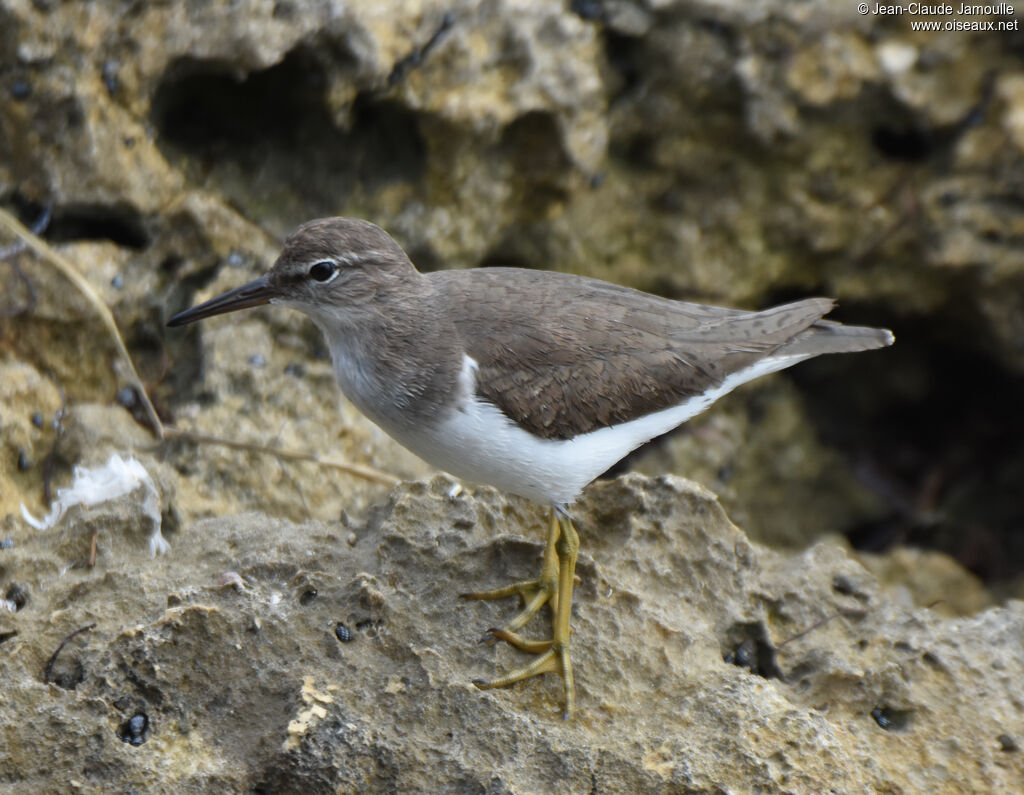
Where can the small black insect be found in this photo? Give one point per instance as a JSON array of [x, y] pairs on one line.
[[109, 75], [133, 730], [891, 719], [21, 89], [343, 633], [126, 397]]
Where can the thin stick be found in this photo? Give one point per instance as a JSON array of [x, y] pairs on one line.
[[71, 273], [48, 671], [848, 613], [358, 470]]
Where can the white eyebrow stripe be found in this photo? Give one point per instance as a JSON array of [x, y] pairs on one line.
[[358, 258]]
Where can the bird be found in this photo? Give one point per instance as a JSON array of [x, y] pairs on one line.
[[534, 382]]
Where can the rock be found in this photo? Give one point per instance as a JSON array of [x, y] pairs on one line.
[[924, 578], [92, 431], [221, 660], [740, 153], [29, 403]]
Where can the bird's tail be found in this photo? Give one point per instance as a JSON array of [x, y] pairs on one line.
[[828, 336]]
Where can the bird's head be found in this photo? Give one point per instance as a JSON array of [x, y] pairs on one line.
[[332, 269]]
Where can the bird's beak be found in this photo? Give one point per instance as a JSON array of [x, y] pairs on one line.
[[255, 293]]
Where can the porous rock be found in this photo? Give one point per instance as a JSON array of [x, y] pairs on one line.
[[704, 662], [733, 152]]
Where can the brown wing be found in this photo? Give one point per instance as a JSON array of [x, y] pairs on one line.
[[562, 355]]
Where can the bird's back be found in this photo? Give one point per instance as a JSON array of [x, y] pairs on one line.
[[562, 355]]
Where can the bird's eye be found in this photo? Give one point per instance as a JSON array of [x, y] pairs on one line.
[[322, 271]]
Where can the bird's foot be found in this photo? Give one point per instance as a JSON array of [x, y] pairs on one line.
[[553, 660], [554, 585], [533, 594]]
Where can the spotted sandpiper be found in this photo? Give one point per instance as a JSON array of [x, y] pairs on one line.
[[535, 382]]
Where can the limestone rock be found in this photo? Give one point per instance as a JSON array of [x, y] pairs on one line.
[[264, 654], [733, 152]]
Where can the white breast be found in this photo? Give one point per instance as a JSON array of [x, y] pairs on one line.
[[476, 442]]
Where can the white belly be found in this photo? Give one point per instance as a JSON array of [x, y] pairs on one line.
[[480, 444]]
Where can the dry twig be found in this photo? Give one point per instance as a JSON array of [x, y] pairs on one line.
[[48, 671], [358, 470], [70, 272]]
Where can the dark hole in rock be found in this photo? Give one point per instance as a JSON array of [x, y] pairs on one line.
[[17, 594], [932, 661], [718, 28], [120, 223], [933, 426], [184, 346], [502, 256], [284, 9], [307, 596], [534, 144], [523, 245], [625, 56], [908, 143], [205, 105], [150, 692], [370, 627], [271, 130], [171, 263], [847, 586], [67, 672], [902, 134], [638, 152], [425, 258], [890, 719], [748, 646], [1007, 743]]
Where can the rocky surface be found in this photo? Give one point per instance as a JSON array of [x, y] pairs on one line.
[[264, 655], [733, 152]]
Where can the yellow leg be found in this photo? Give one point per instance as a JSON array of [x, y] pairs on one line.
[[554, 654], [534, 594]]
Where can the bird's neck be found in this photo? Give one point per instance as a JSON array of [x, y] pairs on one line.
[[399, 358]]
